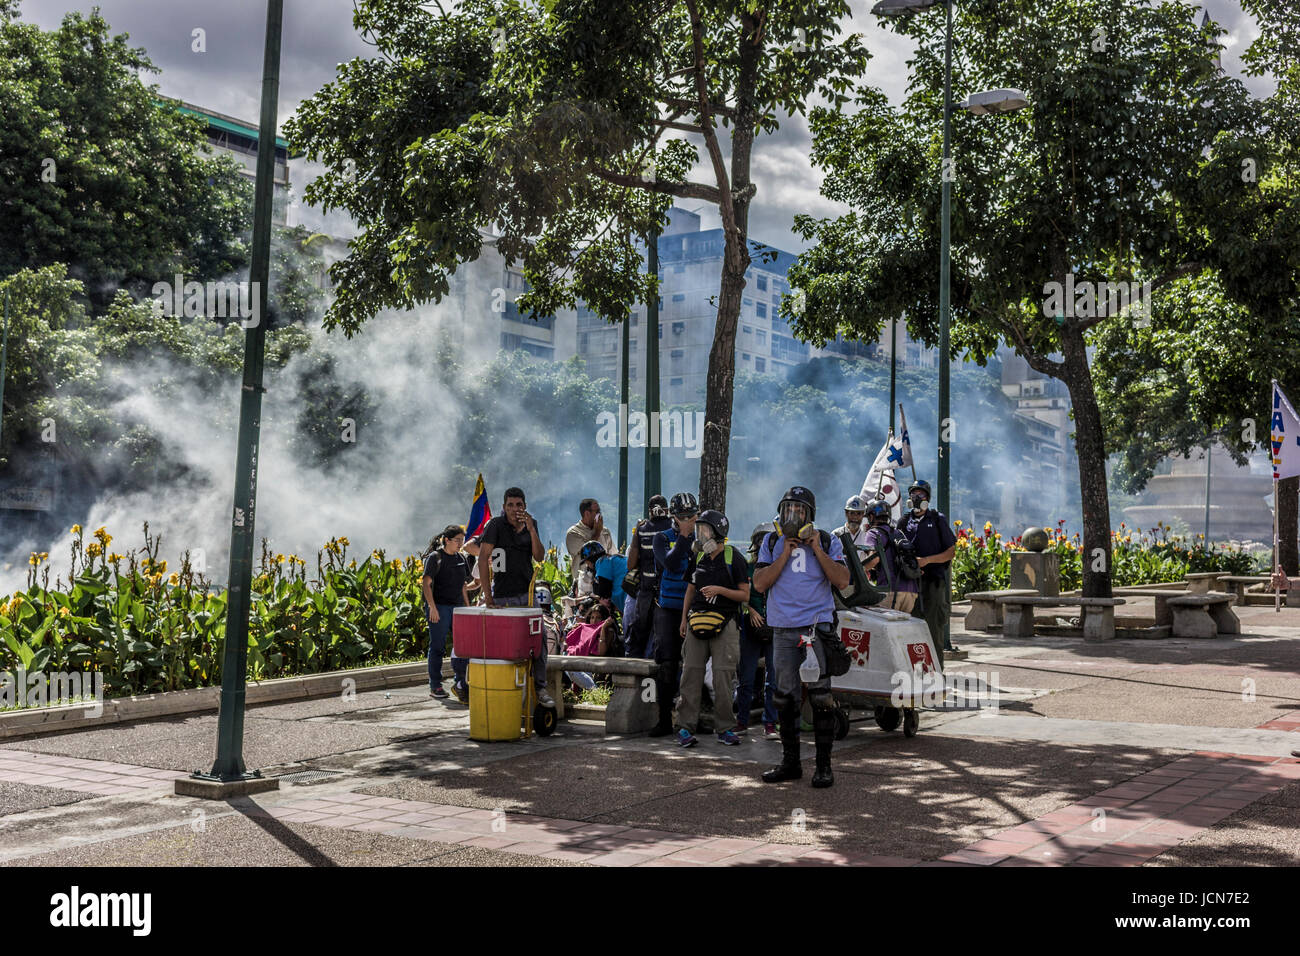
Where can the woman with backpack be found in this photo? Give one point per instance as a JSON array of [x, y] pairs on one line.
[[889, 565], [446, 574]]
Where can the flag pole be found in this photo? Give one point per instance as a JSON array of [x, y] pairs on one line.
[[903, 418]]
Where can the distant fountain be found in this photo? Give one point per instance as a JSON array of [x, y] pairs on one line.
[[1238, 510]]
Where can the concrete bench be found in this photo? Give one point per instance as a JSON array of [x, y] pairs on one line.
[[1203, 582], [627, 711], [1238, 584], [1163, 616], [1204, 615], [1098, 615], [984, 609]]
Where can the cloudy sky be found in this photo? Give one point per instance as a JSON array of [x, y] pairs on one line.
[[318, 35]]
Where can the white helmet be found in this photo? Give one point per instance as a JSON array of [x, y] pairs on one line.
[[856, 503]]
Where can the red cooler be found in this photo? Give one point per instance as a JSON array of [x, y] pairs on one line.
[[497, 633]]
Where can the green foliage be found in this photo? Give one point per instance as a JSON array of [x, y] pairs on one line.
[[94, 172]]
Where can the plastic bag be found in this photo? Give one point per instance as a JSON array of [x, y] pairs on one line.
[[809, 671]]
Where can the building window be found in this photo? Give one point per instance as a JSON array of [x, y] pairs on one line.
[[762, 283], [745, 356], [674, 381], [661, 331], [776, 299], [761, 336], [631, 347], [582, 342], [634, 320], [679, 328], [760, 365], [762, 310], [747, 330], [680, 297], [747, 301], [677, 353]]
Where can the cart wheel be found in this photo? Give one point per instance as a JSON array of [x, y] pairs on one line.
[[544, 720], [911, 722], [887, 718], [841, 722]]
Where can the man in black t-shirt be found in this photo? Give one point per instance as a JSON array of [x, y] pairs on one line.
[[508, 548], [935, 545], [717, 584]]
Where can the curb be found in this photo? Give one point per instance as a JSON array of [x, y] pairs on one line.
[[24, 723]]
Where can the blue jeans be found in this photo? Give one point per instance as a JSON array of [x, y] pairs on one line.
[[750, 651], [438, 635]]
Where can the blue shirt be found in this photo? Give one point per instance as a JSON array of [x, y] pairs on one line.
[[801, 596], [673, 558], [609, 579]]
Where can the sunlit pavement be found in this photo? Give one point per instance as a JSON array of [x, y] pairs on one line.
[[1056, 752]]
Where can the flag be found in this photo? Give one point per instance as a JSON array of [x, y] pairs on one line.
[[1284, 435], [906, 460], [880, 481], [480, 512]]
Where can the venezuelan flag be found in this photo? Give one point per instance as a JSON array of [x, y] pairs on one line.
[[480, 513]]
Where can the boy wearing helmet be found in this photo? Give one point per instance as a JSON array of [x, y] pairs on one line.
[[935, 544], [883, 561], [796, 570], [718, 583]]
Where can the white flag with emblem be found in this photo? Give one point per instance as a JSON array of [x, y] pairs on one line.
[[1284, 434], [880, 481]]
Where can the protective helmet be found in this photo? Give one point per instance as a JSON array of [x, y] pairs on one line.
[[923, 485], [759, 533], [658, 506], [683, 505], [878, 511], [715, 520], [856, 503], [803, 496], [542, 596], [591, 551]]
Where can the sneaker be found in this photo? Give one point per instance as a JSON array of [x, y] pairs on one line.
[[740, 729], [729, 738], [462, 693], [439, 692], [686, 738], [544, 698], [769, 732]]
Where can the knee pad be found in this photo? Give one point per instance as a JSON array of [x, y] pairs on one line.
[[821, 700]]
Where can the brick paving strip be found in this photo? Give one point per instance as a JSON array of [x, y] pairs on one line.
[[1139, 819], [1143, 817], [101, 777]]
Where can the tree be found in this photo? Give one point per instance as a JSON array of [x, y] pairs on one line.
[[96, 173], [546, 120], [1104, 179], [1204, 364]]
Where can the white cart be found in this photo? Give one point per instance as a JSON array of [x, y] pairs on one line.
[[894, 669]]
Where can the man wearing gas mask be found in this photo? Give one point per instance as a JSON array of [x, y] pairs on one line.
[[672, 552], [854, 510], [935, 544], [797, 567], [641, 559], [718, 584]]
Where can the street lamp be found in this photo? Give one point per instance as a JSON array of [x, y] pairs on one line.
[[990, 101]]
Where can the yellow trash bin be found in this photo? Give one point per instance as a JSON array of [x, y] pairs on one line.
[[501, 699]]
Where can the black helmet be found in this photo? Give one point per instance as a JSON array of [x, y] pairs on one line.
[[658, 506], [877, 511], [683, 505], [923, 485], [591, 551], [803, 496], [715, 520]]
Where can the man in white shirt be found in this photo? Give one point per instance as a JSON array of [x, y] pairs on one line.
[[590, 527], [854, 510]]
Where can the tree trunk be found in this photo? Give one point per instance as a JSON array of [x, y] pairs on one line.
[[722, 356], [1287, 506], [1090, 443]]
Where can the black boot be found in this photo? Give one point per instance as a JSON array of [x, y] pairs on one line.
[[824, 736], [789, 768]]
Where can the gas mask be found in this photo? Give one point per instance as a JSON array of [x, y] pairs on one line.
[[793, 520], [920, 503], [586, 580], [704, 542]]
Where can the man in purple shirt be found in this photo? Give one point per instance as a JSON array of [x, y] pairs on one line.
[[797, 567]]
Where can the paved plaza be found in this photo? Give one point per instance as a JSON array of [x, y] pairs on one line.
[[1130, 753]]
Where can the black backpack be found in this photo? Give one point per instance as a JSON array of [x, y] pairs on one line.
[[904, 559]]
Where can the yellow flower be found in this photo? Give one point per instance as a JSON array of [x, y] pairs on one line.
[[104, 537], [115, 557], [94, 549], [957, 523], [33, 560], [279, 559], [76, 529], [174, 579], [64, 612], [344, 541]]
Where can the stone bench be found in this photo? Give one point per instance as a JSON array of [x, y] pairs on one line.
[[1098, 615], [1163, 616], [627, 711], [984, 610], [1238, 584], [1203, 582], [1204, 615]]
